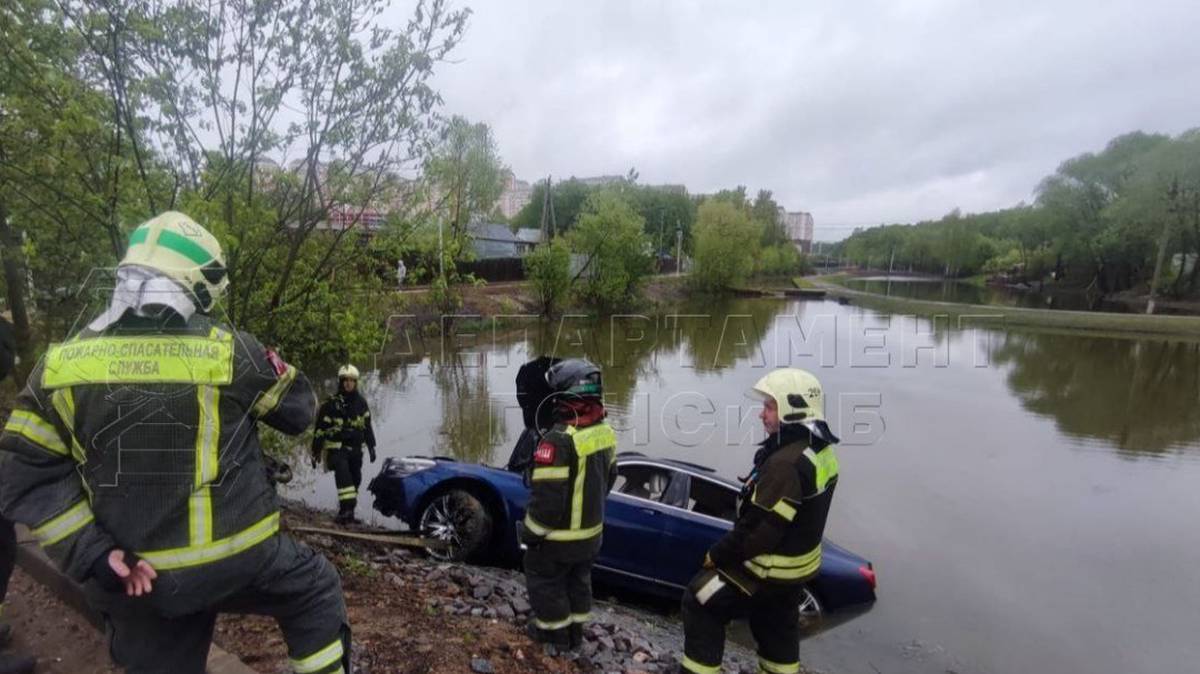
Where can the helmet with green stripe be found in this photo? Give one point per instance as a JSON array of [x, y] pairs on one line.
[[576, 377], [178, 247], [796, 392]]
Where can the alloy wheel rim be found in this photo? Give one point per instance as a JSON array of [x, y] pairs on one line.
[[438, 523]]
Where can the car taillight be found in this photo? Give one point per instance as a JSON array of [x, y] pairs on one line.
[[868, 572]]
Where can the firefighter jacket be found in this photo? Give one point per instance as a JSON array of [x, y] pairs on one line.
[[781, 513], [144, 437], [573, 469], [344, 421]]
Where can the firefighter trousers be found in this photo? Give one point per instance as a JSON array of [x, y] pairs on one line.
[[297, 587], [346, 464], [560, 590], [712, 602]]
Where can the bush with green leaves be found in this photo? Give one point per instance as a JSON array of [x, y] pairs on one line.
[[548, 269]]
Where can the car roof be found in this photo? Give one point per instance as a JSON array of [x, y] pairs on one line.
[[675, 464]]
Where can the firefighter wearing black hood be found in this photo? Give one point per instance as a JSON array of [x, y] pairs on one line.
[[573, 469], [133, 455], [758, 569], [343, 426]]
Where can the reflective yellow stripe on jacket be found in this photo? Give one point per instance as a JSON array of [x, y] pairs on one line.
[[588, 441], [215, 551], [786, 567], [36, 430]]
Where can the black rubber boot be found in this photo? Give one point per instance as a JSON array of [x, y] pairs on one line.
[[555, 642], [575, 637], [5, 635], [16, 664]]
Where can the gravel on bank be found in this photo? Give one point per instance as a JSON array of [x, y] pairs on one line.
[[412, 614]]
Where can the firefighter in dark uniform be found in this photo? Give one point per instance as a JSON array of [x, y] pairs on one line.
[[133, 455], [573, 469], [343, 426], [10, 663], [758, 569]]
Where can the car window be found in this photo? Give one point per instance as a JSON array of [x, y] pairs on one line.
[[648, 482], [710, 498]]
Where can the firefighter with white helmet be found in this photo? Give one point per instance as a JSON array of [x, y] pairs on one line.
[[133, 456], [343, 427], [758, 569]]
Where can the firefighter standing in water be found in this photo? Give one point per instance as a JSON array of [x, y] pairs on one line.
[[343, 426], [133, 455], [573, 469], [758, 569]]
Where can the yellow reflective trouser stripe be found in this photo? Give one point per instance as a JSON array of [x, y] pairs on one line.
[[562, 534], [555, 473], [269, 399], [131, 360], [786, 567], [347, 493], [765, 665], [320, 660], [36, 430], [826, 464], [208, 431], [693, 666], [222, 548], [59, 527], [581, 617], [551, 625], [784, 510]]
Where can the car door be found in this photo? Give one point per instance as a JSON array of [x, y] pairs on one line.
[[695, 525], [635, 520]]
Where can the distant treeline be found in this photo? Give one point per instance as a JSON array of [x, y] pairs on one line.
[[1106, 220]]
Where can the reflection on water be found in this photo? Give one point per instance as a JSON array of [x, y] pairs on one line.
[[940, 290], [1131, 395], [1138, 395]]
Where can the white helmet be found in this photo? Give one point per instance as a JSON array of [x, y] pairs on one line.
[[179, 248], [348, 372], [797, 393]]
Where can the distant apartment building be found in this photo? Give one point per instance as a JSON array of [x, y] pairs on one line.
[[516, 194], [799, 227]]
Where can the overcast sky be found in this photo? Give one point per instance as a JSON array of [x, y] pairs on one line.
[[859, 112]]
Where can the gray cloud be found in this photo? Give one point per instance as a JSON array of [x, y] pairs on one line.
[[860, 112]]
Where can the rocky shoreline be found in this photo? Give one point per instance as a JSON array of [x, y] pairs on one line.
[[413, 614]]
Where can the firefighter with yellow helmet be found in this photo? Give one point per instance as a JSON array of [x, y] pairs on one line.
[[133, 455], [343, 427], [758, 569]]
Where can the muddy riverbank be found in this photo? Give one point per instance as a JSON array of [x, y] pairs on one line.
[[411, 614]]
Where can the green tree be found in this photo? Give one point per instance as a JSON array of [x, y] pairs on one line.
[[218, 91], [615, 251], [466, 172], [727, 241], [548, 269]]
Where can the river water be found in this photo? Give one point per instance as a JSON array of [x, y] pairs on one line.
[[1030, 500]]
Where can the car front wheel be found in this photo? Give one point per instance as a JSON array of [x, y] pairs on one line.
[[458, 524]]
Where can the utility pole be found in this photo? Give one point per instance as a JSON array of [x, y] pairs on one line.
[[441, 255], [678, 248]]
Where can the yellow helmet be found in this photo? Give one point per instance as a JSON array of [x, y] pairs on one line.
[[348, 372], [797, 393], [178, 247]]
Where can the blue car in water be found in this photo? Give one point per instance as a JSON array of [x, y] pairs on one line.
[[661, 517]]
